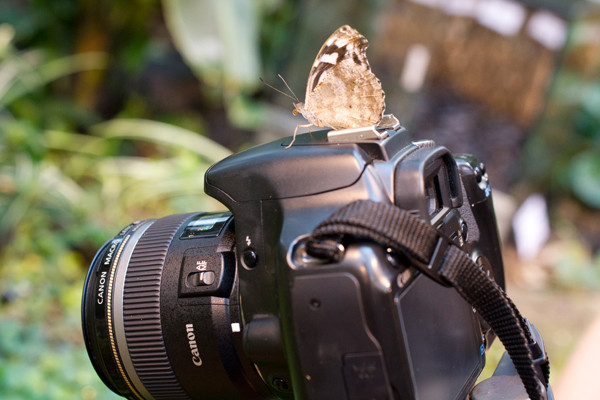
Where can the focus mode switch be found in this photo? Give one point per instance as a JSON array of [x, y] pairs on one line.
[[206, 278], [207, 274]]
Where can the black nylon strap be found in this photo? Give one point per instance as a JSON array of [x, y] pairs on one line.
[[492, 303], [398, 229], [383, 223]]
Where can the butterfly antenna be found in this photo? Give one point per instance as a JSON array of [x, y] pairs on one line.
[[279, 91], [289, 88]]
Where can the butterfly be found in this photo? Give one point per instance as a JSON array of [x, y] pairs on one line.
[[342, 91]]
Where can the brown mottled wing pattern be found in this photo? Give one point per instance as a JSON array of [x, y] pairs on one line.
[[342, 91], [342, 44]]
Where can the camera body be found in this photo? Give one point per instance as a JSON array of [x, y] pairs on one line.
[[237, 308], [368, 325]]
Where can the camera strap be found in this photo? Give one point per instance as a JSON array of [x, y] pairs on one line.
[[440, 259]]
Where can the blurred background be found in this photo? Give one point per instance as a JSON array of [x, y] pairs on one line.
[[111, 111]]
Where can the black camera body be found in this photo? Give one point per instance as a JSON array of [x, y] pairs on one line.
[[231, 305]]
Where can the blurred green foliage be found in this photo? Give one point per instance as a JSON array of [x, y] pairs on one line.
[[563, 156], [219, 40], [69, 181], [562, 159]]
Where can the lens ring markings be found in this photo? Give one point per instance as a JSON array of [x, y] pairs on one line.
[[141, 310], [115, 311]]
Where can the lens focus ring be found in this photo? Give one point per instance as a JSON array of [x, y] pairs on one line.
[[141, 310]]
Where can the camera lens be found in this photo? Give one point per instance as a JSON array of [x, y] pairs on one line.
[[161, 314]]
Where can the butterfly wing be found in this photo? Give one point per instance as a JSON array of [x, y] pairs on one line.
[[349, 97], [345, 42], [342, 91]]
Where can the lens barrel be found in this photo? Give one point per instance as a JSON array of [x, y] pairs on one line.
[[161, 315]]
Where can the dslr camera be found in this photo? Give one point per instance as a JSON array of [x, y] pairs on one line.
[[233, 305]]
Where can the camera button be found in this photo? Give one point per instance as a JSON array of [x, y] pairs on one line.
[[249, 258]]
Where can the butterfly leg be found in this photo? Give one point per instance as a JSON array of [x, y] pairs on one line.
[[295, 132]]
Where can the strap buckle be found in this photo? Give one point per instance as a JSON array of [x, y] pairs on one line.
[[432, 269], [538, 353]]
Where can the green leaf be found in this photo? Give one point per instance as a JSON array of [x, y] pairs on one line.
[[161, 133], [585, 177], [75, 142], [25, 73], [218, 39]]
